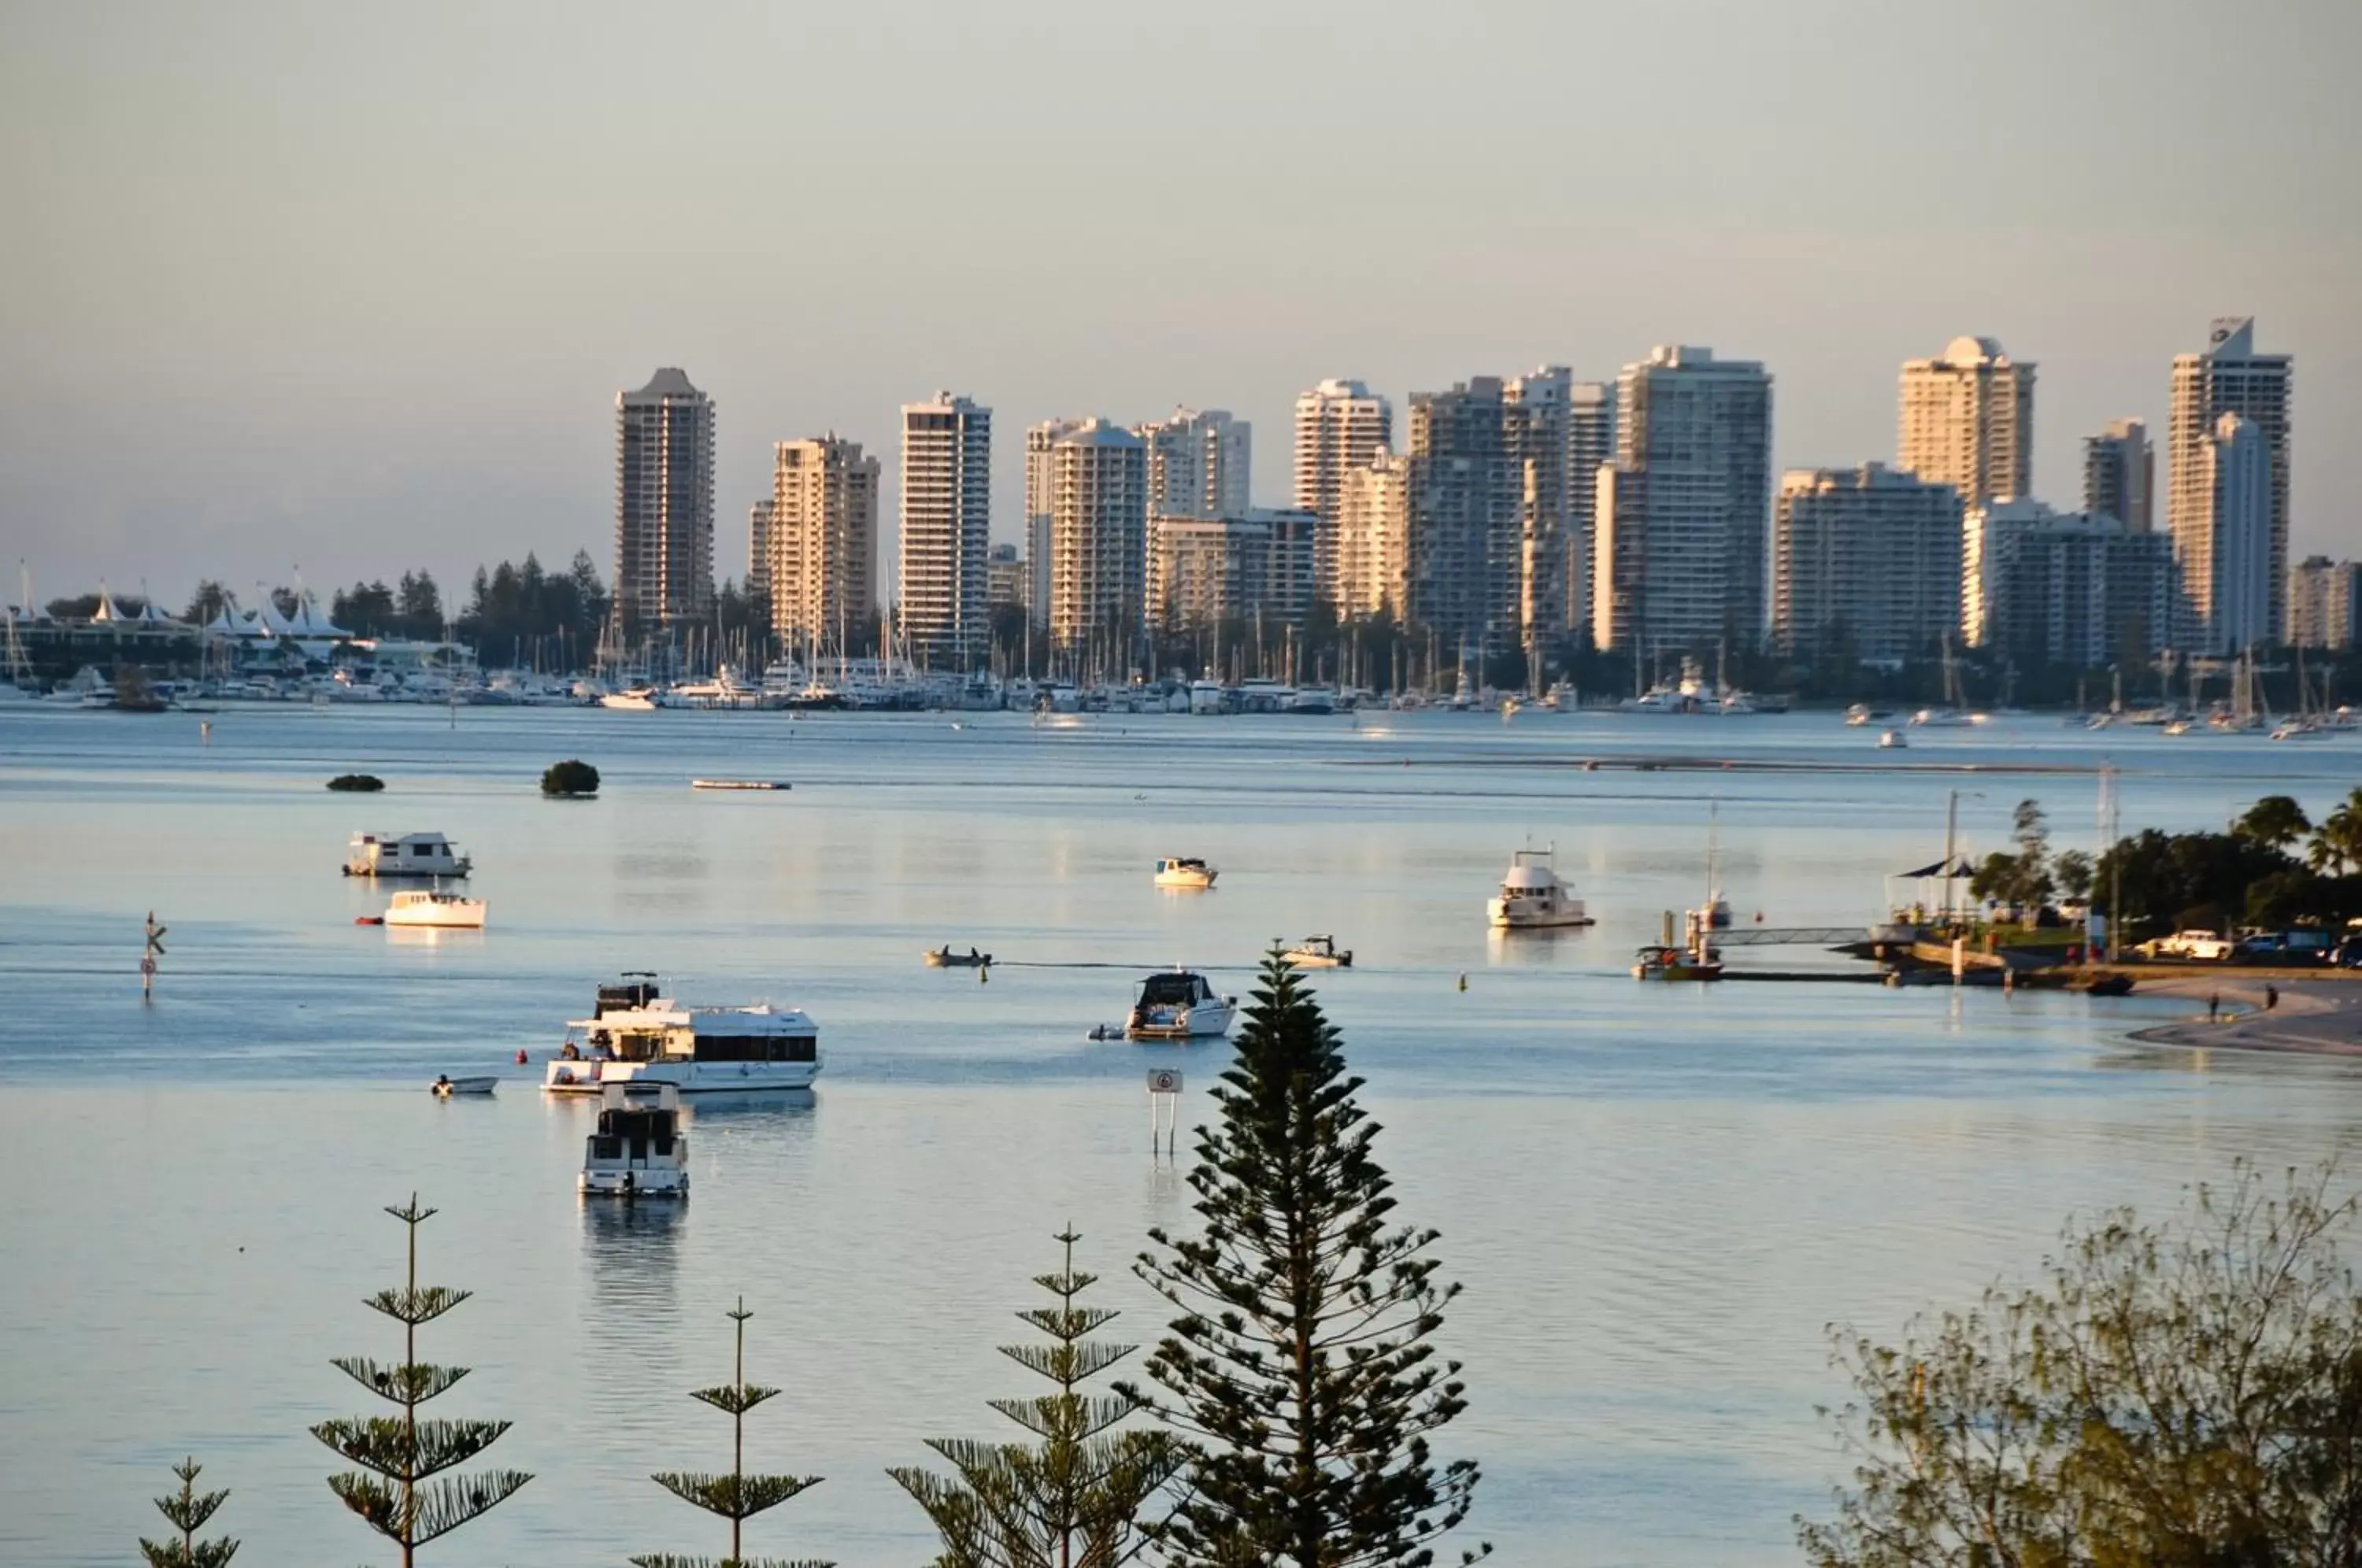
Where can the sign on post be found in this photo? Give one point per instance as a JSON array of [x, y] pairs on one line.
[[148, 960], [1164, 1106]]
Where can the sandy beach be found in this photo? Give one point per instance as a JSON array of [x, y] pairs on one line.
[[2320, 1016]]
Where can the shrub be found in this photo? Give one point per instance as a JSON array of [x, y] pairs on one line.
[[361, 783], [572, 776]]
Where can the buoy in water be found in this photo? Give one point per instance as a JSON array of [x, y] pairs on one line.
[[1463, 980], [521, 1057]]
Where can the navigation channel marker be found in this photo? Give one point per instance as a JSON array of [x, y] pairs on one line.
[[1164, 1080]]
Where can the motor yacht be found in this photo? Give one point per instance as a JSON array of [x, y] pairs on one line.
[[444, 911], [635, 700], [1319, 952], [1179, 1005], [404, 854], [636, 1036], [1531, 896], [637, 1149], [1186, 871]]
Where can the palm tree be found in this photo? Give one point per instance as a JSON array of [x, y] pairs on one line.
[[2275, 822], [2336, 845]]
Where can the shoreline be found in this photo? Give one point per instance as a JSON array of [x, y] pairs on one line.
[[2315, 1017]]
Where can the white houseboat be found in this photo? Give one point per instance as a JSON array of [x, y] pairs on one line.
[[446, 911], [1179, 1005], [637, 1036], [404, 855], [1185, 871], [639, 1149], [1532, 897]]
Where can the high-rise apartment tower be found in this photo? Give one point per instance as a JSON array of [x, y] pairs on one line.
[[2120, 475], [1339, 425], [1682, 513], [1197, 463], [1098, 532], [664, 504], [947, 526], [2230, 377], [1968, 421], [824, 546]]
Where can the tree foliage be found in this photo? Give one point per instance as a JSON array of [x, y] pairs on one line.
[[1075, 1500], [515, 611], [400, 1488], [1302, 1359], [187, 1510], [2183, 1395], [2336, 845], [572, 776], [2275, 822], [736, 1497], [2159, 875]]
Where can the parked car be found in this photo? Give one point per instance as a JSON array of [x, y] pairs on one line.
[[2201, 946], [2300, 946]]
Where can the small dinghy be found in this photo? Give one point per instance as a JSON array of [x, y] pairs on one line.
[[445, 1085], [945, 958]]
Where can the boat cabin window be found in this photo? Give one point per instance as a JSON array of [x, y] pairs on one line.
[[755, 1048]]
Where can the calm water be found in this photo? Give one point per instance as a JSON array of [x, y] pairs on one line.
[[1655, 1196]]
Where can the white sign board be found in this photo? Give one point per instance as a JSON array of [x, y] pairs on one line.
[[1164, 1080]]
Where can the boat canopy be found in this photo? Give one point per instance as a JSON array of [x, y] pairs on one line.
[[1176, 989]]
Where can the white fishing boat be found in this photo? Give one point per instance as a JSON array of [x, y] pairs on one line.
[[636, 1036], [1532, 897], [445, 1085], [637, 1149], [1179, 1004], [1185, 871], [443, 911], [1319, 952], [404, 854]]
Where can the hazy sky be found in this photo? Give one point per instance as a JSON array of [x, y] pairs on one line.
[[352, 288]]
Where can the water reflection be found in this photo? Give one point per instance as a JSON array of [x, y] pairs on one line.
[[631, 1261]]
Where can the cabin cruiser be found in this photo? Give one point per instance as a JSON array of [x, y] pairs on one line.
[[639, 1149], [447, 912], [1179, 1005], [404, 855], [637, 1036], [1319, 952], [1531, 896], [1185, 871], [635, 699]]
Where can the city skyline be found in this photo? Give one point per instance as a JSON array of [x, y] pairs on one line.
[[258, 208]]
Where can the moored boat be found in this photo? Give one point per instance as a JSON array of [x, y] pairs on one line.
[[404, 854], [637, 1149], [1179, 1004], [1532, 897], [445, 1085], [446, 911], [1185, 871], [1659, 962], [637, 1036], [1319, 952], [945, 958]]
